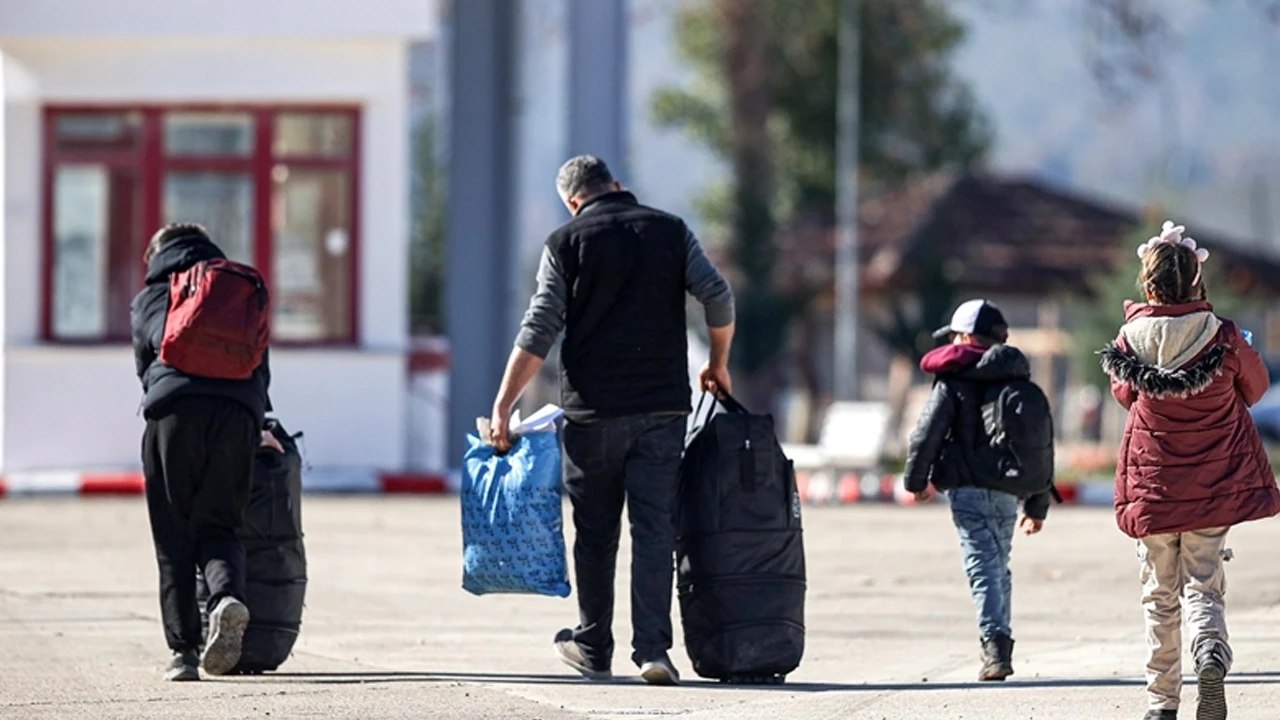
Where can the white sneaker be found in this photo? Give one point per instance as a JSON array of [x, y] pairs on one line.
[[226, 635], [571, 654], [660, 672], [183, 668]]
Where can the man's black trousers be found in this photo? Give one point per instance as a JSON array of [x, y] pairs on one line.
[[635, 459], [197, 455]]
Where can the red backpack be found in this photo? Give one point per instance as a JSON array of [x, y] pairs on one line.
[[217, 324]]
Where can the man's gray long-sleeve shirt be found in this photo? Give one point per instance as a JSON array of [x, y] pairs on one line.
[[545, 318]]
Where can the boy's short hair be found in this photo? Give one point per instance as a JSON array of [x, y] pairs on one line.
[[989, 341], [171, 232]]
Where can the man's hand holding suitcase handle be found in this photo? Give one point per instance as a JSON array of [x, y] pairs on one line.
[[715, 380], [269, 440]]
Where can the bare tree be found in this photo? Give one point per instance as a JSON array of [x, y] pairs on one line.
[[1127, 41]]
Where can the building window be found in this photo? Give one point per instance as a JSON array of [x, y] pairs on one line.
[[275, 186]]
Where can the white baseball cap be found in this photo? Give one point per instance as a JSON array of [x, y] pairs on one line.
[[976, 317]]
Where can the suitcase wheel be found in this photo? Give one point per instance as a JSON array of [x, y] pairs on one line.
[[755, 679]]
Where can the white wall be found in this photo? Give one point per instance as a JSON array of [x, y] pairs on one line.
[[21, 152], [4, 108], [219, 18], [74, 407], [78, 408]]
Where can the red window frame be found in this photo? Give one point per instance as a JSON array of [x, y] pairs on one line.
[[152, 163]]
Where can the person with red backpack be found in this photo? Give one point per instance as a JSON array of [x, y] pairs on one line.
[[200, 331]]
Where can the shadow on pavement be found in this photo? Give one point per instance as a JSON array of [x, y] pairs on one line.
[[370, 677]]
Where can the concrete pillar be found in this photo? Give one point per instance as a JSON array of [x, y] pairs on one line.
[[481, 241], [4, 236], [598, 97]]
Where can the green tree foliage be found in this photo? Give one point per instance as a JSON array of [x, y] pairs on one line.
[[428, 208], [1098, 318], [763, 97], [909, 330]]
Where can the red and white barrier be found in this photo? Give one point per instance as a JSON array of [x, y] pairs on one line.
[[823, 487], [820, 487], [318, 480]]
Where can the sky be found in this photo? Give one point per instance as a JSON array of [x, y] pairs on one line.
[[1203, 140], [1199, 138]]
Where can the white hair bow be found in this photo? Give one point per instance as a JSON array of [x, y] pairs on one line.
[[1172, 234]]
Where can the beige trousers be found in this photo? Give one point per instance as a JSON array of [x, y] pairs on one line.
[[1176, 570]]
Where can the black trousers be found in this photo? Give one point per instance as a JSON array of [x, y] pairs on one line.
[[197, 455], [606, 462]]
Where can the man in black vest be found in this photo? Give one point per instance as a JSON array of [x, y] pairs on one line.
[[614, 280]]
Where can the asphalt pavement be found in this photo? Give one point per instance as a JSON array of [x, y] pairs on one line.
[[389, 633]]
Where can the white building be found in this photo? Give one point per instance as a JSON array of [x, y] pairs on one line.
[[280, 125]]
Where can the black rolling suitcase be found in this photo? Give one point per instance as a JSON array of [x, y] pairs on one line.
[[740, 551], [275, 560]]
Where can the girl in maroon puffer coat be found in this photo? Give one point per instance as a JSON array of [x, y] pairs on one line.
[[1191, 463]]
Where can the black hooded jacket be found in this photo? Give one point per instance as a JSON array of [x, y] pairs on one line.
[[161, 383], [944, 447]]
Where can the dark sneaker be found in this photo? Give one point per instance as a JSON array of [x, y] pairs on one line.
[[1211, 670], [660, 672], [997, 658], [184, 667], [571, 654], [1161, 715], [226, 634]]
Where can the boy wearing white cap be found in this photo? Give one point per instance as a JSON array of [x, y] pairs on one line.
[[985, 439]]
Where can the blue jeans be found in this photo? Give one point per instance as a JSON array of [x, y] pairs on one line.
[[985, 520]]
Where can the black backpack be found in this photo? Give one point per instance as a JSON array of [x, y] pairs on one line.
[[1018, 423]]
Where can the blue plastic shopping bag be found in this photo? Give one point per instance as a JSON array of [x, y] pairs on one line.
[[512, 528]]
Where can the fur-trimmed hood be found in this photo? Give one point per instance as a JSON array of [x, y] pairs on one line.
[[1157, 382], [1167, 350], [1191, 457], [1169, 336]]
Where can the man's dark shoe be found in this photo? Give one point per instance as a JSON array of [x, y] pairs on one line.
[[1161, 715], [571, 654], [227, 623], [1211, 670], [660, 671], [997, 658], [184, 667]]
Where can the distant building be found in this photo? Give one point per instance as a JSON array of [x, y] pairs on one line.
[[281, 127], [1025, 245]]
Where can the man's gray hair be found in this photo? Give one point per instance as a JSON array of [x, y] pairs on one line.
[[581, 175]]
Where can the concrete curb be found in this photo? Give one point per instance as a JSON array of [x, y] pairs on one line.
[[353, 481]]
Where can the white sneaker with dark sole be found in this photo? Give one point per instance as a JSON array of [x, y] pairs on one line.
[[227, 623], [660, 672], [570, 654], [185, 667]]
